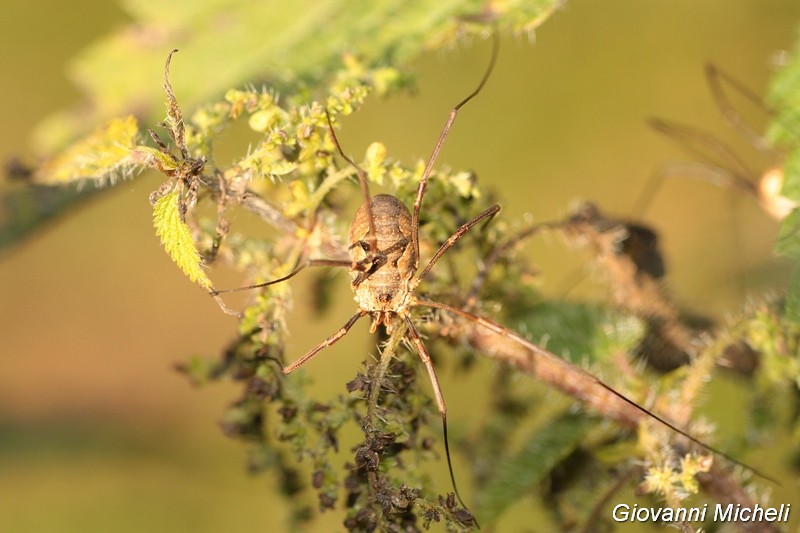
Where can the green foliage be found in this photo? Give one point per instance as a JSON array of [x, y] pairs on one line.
[[176, 237], [288, 177], [784, 97], [251, 41], [385, 485], [257, 40], [545, 449], [100, 156], [577, 330]]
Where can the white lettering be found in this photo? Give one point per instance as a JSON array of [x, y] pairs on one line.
[[755, 514], [696, 514], [741, 512], [758, 514], [643, 514], [620, 516], [727, 516]]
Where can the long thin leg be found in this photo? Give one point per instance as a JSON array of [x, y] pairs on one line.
[[423, 184], [696, 170], [307, 263], [437, 393], [324, 344], [715, 76], [214, 293], [702, 145], [502, 251], [372, 238], [549, 357], [426, 359], [488, 214]]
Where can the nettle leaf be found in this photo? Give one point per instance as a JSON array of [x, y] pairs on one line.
[[177, 238], [792, 305], [791, 176], [521, 473], [789, 236], [784, 97], [578, 330], [233, 42], [789, 245], [100, 156]]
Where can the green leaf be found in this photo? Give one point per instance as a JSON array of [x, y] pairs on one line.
[[232, 42], [518, 475], [158, 159], [177, 238], [101, 155], [784, 97], [789, 236], [791, 176], [576, 330], [792, 305]]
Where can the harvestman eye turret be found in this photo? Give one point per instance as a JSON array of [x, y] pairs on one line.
[[385, 271]]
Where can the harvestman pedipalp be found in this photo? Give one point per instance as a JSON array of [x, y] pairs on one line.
[[385, 272]]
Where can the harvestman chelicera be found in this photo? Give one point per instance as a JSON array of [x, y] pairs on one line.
[[384, 265]]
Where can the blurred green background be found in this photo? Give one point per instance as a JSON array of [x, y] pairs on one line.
[[98, 433]]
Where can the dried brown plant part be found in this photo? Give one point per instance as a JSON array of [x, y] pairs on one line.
[[506, 346], [635, 287], [504, 250], [223, 225], [182, 169], [384, 266], [254, 203]]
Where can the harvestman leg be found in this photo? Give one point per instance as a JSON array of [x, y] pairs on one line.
[[437, 393], [488, 215], [426, 359], [715, 76], [290, 275], [423, 351], [362, 181], [423, 184], [502, 330], [333, 339]]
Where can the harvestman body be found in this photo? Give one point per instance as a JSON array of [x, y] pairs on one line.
[[384, 266], [384, 260]]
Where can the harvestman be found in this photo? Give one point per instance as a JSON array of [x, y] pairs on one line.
[[384, 266], [716, 162]]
